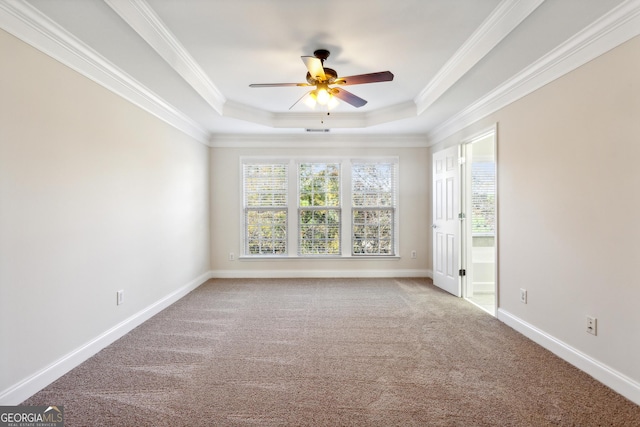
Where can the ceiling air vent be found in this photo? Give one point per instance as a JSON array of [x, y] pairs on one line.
[[318, 130]]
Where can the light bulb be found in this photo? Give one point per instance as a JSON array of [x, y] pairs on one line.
[[323, 96], [333, 102], [310, 101]]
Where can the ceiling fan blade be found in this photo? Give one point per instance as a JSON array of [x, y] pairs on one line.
[[382, 76], [348, 97], [314, 65], [278, 84], [299, 99]]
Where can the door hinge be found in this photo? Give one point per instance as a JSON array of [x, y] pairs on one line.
[[462, 272], [461, 215]]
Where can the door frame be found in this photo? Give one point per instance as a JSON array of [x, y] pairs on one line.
[[465, 241]]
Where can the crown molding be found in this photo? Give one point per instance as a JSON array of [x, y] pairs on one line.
[[235, 110], [139, 15], [619, 25], [319, 119], [611, 30], [321, 140], [504, 19], [33, 27], [144, 21], [27, 23], [404, 110]]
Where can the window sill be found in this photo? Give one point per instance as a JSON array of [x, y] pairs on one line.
[[319, 257]]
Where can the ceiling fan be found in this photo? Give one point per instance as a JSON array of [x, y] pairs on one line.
[[322, 78]]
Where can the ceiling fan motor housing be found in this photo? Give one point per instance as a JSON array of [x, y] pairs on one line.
[[330, 73]]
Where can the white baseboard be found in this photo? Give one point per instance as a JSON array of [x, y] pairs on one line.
[[40, 379], [617, 381], [484, 287], [36, 382], [285, 274]]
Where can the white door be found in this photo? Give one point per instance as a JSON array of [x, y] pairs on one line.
[[446, 225]]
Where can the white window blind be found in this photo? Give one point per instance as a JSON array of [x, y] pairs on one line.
[[316, 189], [373, 207], [483, 197], [265, 202]]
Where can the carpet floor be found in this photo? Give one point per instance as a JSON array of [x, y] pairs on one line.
[[329, 352]]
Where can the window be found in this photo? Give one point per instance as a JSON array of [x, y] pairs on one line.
[[373, 211], [265, 208], [483, 197], [317, 190], [319, 208]]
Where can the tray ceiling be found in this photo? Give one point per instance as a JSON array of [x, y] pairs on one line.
[[191, 62]]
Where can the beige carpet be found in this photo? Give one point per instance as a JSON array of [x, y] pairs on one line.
[[320, 352]]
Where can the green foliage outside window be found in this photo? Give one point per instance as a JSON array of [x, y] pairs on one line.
[[267, 232], [319, 227], [372, 232], [266, 197]]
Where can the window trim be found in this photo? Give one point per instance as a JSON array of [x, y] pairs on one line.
[[245, 209], [346, 208], [393, 207], [312, 207]]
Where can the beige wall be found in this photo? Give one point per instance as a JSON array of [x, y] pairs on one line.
[[96, 195], [569, 196], [414, 196]]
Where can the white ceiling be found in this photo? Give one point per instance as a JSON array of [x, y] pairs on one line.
[[195, 59]]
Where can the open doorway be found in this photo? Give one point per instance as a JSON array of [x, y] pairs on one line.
[[479, 230]]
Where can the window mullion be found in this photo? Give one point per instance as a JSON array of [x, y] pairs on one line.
[[347, 212], [294, 211], [340, 207]]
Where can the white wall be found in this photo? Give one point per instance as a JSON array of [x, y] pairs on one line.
[[568, 183], [414, 205], [96, 195]]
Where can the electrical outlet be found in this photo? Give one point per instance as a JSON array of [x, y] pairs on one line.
[[523, 296], [232, 257], [592, 325], [119, 297], [414, 253]]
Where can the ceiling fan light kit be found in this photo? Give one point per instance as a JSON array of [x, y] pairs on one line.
[[322, 77], [321, 97]]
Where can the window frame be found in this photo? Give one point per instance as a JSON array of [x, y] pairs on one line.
[[345, 209], [319, 208], [246, 241], [391, 207]]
